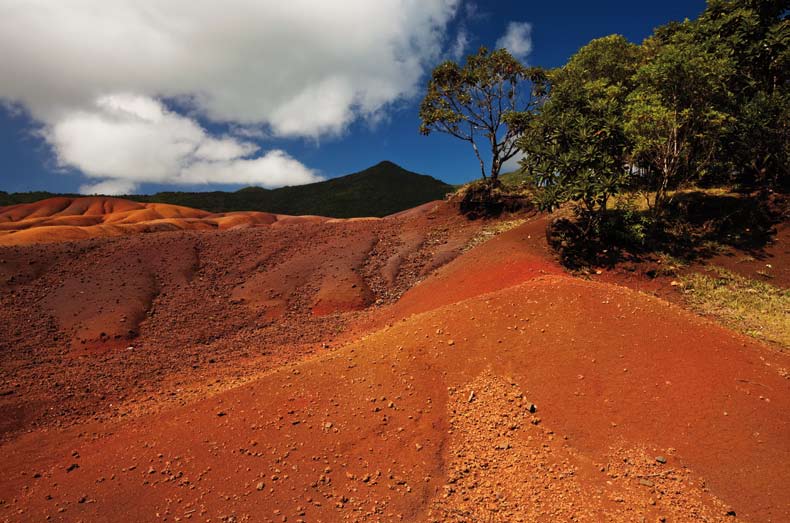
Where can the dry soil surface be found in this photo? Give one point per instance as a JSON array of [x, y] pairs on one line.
[[372, 371]]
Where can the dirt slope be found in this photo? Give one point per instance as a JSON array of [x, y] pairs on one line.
[[365, 433], [497, 389], [100, 327]]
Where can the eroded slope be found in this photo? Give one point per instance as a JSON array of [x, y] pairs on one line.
[[112, 325], [368, 433], [644, 411]]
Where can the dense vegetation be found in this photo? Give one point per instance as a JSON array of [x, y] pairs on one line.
[[699, 102], [380, 190], [622, 131]]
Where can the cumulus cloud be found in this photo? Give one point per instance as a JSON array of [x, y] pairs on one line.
[[129, 139], [517, 39], [287, 69], [303, 67], [458, 49], [111, 187]]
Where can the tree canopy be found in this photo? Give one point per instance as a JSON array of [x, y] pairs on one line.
[[575, 146], [700, 101], [482, 100]]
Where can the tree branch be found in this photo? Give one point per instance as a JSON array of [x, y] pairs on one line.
[[477, 153]]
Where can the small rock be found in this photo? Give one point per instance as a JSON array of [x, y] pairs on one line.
[[646, 482], [471, 397], [260, 486], [661, 459]]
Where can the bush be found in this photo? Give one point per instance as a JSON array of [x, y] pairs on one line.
[[489, 198], [702, 224]]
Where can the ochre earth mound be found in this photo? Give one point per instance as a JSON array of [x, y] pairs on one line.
[[61, 218], [105, 322], [498, 388]]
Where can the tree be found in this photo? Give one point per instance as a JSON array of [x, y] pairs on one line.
[[755, 34], [482, 100], [575, 148], [676, 115]]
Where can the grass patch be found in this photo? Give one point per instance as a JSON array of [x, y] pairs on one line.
[[755, 308], [493, 229], [668, 265], [513, 179]]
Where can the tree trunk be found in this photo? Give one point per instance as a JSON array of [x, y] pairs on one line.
[[495, 160], [495, 167], [479, 159]]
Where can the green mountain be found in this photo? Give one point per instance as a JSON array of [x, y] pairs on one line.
[[383, 189]]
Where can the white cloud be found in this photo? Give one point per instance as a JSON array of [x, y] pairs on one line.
[[224, 149], [458, 49], [109, 187], [303, 67], [517, 39], [126, 140], [93, 73], [273, 169]]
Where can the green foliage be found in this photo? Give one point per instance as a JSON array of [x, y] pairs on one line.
[[612, 59], [732, 66], [485, 99], [675, 115], [575, 147], [699, 102], [755, 34], [27, 197], [760, 141], [630, 225], [378, 191]]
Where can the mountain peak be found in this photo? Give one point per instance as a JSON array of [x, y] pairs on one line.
[[379, 190], [387, 163]]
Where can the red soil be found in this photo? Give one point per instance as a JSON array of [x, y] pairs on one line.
[[109, 324], [423, 416]]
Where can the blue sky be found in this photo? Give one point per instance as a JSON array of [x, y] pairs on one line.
[[61, 127]]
